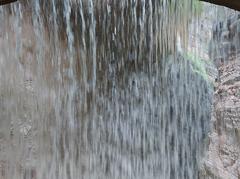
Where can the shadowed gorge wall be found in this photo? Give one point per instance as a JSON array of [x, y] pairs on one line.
[[97, 89]]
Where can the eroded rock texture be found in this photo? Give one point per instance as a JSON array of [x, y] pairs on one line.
[[223, 157]]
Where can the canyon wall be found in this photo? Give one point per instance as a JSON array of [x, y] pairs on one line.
[[223, 156]]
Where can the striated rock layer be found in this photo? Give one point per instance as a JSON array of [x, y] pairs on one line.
[[223, 156]]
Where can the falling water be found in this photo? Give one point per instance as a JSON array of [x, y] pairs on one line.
[[96, 89]]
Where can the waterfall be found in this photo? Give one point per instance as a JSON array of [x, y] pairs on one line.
[[95, 89]]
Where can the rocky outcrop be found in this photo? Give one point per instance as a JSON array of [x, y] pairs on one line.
[[223, 157]]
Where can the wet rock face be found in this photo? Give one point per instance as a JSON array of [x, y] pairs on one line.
[[223, 157], [226, 41]]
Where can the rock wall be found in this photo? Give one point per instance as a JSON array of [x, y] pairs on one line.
[[223, 157]]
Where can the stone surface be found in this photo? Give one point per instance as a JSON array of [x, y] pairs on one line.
[[223, 156]]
